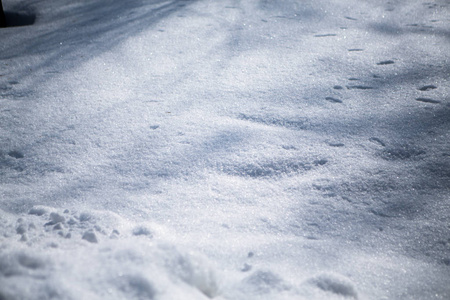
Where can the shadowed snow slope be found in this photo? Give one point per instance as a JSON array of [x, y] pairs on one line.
[[225, 149]]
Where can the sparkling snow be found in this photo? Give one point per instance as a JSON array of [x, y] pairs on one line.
[[225, 149]]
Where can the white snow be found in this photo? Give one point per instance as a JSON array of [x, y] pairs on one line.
[[225, 149]]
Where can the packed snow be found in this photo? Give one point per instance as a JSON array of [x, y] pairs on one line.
[[253, 149]]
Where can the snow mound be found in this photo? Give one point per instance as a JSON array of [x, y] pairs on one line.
[[96, 255]]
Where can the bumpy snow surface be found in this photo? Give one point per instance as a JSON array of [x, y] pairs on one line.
[[225, 149]]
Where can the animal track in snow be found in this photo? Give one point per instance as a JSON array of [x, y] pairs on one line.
[[337, 87], [385, 62], [430, 5], [333, 100], [377, 141], [355, 50], [428, 100], [246, 267], [421, 26], [335, 144], [325, 35], [427, 87], [350, 18], [360, 87]]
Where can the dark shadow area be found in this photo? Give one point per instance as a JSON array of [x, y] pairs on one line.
[[15, 19], [395, 30], [66, 37]]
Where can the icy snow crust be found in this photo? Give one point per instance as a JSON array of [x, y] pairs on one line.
[[225, 149]]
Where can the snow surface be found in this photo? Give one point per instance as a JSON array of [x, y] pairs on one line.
[[225, 149]]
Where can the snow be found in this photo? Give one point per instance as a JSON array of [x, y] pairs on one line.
[[225, 149]]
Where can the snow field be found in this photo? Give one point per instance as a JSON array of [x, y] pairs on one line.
[[226, 150]]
